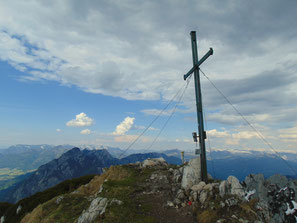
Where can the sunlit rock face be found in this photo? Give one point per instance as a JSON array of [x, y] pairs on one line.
[[191, 173]]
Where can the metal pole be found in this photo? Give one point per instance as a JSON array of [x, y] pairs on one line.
[[183, 156], [202, 134]]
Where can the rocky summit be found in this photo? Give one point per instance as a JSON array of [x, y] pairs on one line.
[[155, 191]]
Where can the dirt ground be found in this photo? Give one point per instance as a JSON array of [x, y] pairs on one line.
[[164, 214]]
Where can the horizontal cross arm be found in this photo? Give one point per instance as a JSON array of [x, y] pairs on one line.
[[210, 52]]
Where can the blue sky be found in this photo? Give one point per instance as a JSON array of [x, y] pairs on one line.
[[107, 68]]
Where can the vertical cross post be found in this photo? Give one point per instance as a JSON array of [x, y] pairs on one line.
[[202, 133]]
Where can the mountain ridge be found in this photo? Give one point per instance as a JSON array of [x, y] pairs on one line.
[[73, 163]]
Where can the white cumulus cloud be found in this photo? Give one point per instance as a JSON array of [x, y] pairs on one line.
[[86, 132], [58, 130], [124, 127], [80, 120]]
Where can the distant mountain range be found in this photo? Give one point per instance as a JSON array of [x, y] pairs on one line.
[[74, 163], [28, 157], [17, 161], [55, 168], [240, 163]]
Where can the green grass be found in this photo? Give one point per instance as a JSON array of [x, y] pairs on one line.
[[28, 204], [124, 190], [68, 210]]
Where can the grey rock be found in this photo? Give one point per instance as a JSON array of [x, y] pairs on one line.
[[115, 201], [181, 195], [195, 196], [231, 201], [170, 204], [191, 173], [208, 187], [234, 216], [223, 188], [96, 208], [100, 189], [59, 199], [203, 196], [154, 162], [191, 198], [231, 186], [198, 187], [159, 182], [235, 186], [256, 182], [18, 209], [177, 201], [177, 176]]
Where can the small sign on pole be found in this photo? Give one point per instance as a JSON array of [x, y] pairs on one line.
[[197, 151]]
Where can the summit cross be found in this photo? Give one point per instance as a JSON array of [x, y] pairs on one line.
[[202, 133]]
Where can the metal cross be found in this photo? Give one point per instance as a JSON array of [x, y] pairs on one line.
[[202, 133]]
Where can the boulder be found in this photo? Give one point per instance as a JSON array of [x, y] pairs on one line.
[[203, 196], [231, 186], [191, 173], [208, 187], [154, 162], [223, 188], [198, 187], [235, 186], [255, 183]]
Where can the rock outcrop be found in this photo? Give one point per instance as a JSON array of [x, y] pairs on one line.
[[154, 162], [191, 173], [231, 186], [277, 197], [97, 207], [274, 199]]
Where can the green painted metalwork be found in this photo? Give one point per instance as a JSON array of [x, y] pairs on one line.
[[202, 133]]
